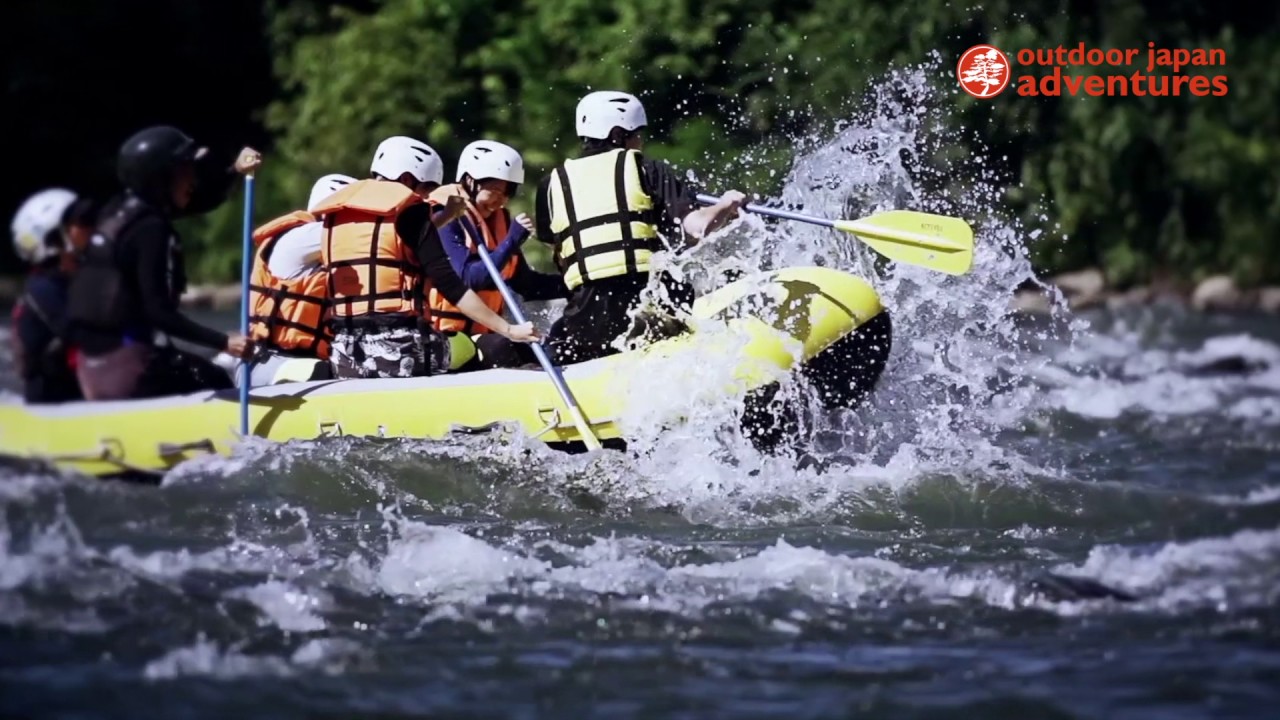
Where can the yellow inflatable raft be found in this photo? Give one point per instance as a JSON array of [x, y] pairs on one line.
[[829, 322]]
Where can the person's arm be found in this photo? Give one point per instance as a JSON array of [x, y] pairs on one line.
[[706, 220], [297, 252], [542, 213], [453, 239], [534, 285], [215, 178], [435, 265], [681, 214], [151, 250], [468, 265]]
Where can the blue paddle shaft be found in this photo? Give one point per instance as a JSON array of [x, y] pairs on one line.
[[538, 350], [246, 266], [774, 212]]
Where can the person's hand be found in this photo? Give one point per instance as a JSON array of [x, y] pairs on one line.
[[454, 206], [731, 201], [525, 332], [526, 221], [239, 346], [248, 161]]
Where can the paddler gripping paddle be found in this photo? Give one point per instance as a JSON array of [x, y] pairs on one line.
[[579, 420], [937, 242]]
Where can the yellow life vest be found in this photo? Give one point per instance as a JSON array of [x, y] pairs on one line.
[[603, 220]]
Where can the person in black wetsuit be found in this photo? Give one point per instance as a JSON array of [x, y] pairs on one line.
[[132, 274], [606, 214], [43, 229]]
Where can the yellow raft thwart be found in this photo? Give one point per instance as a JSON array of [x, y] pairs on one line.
[[828, 321]]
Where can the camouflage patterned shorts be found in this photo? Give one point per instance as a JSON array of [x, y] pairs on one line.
[[390, 353]]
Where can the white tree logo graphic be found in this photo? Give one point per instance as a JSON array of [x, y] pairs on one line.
[[983, 71]]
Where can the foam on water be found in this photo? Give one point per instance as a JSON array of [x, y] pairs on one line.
[[486, 578], [207, 658], [1242, 570], [1106, 376], [454, 570]]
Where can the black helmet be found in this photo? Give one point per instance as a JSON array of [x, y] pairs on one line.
[[148, 159]]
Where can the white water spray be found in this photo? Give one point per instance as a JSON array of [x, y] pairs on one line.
[[960, 367]]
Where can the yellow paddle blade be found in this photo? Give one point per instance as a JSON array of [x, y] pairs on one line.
[[937, 242]]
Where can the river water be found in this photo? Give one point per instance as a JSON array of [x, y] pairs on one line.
[[693, 577]]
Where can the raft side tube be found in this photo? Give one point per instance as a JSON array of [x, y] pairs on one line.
[[789, 316]]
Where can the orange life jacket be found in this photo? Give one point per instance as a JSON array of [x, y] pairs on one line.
[[372, 271], [287, 315], [445, 316]]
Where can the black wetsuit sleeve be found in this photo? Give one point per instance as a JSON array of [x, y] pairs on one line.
[[414, 222], [150, 245], [672, 196], [542, 213], [215, 176], [534, 285]]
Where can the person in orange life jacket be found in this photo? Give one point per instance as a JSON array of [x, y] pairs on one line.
[[606, 214], [288, 298], [489, 174], [382, 252], [43, 230], [131, 276]]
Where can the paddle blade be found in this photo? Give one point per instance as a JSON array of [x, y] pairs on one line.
[[937, 242]]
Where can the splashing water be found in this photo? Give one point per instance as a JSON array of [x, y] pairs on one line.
[[958, 372]]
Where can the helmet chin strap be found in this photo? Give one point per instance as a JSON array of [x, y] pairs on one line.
[[471, 187]]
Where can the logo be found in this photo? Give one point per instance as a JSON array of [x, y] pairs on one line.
[[983, 71]]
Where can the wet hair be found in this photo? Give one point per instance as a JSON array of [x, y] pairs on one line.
[[472, 186], [617, 139]]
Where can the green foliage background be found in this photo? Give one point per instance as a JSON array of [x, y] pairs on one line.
[[1142, 186]]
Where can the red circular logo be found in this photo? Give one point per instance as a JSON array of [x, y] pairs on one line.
[[983, 71]]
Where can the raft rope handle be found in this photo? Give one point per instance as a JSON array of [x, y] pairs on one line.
[[168, 449], [555, 423], [107, 452]]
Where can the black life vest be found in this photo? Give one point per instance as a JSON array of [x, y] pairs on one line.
[[105, 294]]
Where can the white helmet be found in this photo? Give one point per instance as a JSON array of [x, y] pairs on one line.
[[398, 155], [326, 186], [36, 220], [600, 112], [488, 159]]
